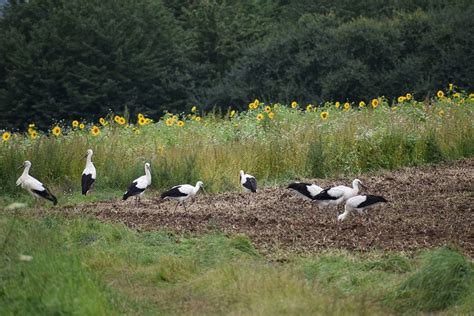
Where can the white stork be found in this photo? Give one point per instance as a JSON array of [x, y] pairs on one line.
[[89, 173], [32, 185], [306, 190], [360, 203], [338, 194], [138, 186], [248, 182], [181, 193]]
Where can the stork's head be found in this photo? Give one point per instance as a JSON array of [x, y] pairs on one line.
[[147, 166], [199, 184], [357, 183], [89, 153], [25, 164]]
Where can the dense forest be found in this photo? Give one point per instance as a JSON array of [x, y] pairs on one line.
[[83, 58]]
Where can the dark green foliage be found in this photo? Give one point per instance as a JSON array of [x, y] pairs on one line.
[[77, 59]]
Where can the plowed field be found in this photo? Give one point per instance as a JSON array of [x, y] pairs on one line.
[[428, 207]]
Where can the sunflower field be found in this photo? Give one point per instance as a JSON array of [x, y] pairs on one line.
[[276, 142]]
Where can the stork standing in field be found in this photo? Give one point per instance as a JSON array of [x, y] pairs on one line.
[[181, 193], [36, 188], [89, 173], [248, 182], [338, 194], [139, 185], [305, 190], [360, 203]]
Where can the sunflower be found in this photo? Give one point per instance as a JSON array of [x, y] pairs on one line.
[[57, 131], [440, 94], [198, 119], [309, 108], [271, 115], [232, 113], [441, 113], [451, 87], [374, 103], [95, 131], [82, 126], [408, 96], [6, 136], [338, 104], [251, 106], [457, 95], [260, 117], [31, 125], [75, 123], [122, 121], [102, 121], [136, 131], [30, 130], [268, 109], [471, 96], [117, 119], [141, 121], [148, 121], [347, 106], [34, 135], [140, 116], [256, 103], [324, 115], [194, 109], [361, 104], [294, 105], [401, 99], [169, 121], [180, 123]]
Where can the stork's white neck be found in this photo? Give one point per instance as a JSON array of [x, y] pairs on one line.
[[26, 170], [89, 160], [196, 188], [148, 175]]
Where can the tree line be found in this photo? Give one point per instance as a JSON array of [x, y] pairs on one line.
[[65, 59]]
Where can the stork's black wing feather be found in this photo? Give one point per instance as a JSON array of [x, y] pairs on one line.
[[47, 195], [251, 184], [132, 190], [302, 188], [324, 196], [372, 199], [174, 192], [86, 182]]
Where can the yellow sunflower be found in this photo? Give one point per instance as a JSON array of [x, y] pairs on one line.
[[256, 103], [268, 109], [401, 99], [169, 121], [30, 130], [338, 105], [471, 96], [136, 131], [95, 131], [451, 87], [440, 94], [260, 117], [75, 123], [457, 95], [441, 113], [6, 136], [408, 96], [102, 121], [294, 105], [82, 126], [122, 121], [309, 108], [180, 123], [194, 109], [141, 121], [251, 106], [324, 115], [148, 121], [347, 106], [232, 113], [374, 103], [57, 131], [271, 115], [34, 135], [140, 116], [198, 119], [117, 119], [361, 104]]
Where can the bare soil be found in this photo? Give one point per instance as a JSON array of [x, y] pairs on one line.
[[428, 207]]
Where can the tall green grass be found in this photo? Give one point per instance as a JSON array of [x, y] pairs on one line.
[[295, 144], [81, 266]]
